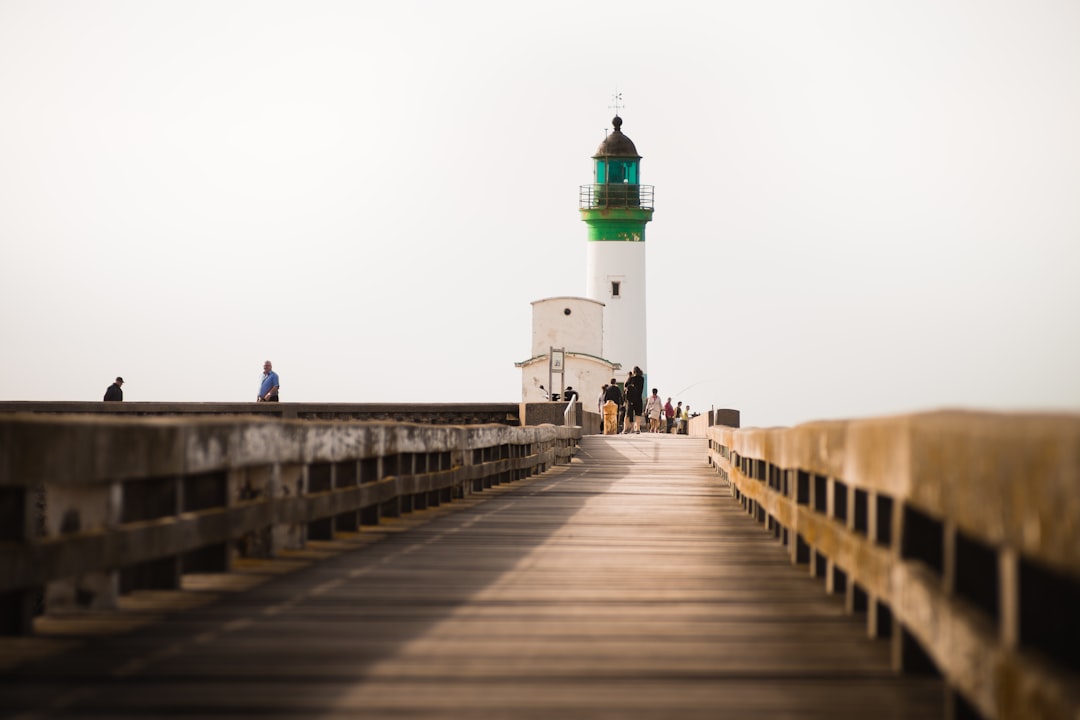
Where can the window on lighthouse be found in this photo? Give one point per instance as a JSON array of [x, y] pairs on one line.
[[616, 172], [615, 288]]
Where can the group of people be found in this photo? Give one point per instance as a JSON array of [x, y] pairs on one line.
[[625, 407], [618, 408], [669, 419], [268, 388]]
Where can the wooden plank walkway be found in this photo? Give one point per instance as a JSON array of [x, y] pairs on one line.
[[625, 585]]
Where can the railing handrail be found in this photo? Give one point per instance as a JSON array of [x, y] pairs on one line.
[[616, 196], [88, 496], [428, 413], [957, 523]]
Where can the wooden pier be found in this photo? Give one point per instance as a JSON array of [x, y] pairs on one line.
[[627, 584]]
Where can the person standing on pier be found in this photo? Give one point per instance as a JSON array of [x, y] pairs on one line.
[[268, 389], [613, 399], [653, 410], [635, 397], [626, 411], [114, 393]]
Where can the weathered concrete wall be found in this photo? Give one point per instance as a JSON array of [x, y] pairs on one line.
[[428, 413], [591, 423], [958, 533], [724, 416], [81, 496], [512, 414], [553, 413], [699, 426]]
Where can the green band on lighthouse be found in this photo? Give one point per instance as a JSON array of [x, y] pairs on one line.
[[619, 225]]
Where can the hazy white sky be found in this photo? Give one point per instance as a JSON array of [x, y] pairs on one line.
[[862, 208]]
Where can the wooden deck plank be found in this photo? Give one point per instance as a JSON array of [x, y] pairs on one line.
[[626, 585]]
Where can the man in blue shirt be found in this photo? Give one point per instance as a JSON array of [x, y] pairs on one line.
[[268, 390]]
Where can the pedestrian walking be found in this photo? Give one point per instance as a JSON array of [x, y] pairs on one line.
[[653, 411], [114, 393]]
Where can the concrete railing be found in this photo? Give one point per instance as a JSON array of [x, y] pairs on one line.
[[513, 414], [427, 413], [93, 507], [957, 533]]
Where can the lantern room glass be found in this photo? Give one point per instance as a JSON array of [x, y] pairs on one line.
[[616, 171]]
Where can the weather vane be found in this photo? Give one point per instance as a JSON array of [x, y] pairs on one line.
[[616, 100]]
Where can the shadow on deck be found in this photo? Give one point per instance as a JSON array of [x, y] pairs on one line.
[[628, 584]]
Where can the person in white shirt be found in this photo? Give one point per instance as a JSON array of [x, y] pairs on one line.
[[653, 409]]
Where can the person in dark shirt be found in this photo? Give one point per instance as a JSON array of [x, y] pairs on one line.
[[613, 393], [611, 412], [113, 393], [635, 398]]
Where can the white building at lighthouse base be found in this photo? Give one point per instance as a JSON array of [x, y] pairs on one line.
[[574, 325]]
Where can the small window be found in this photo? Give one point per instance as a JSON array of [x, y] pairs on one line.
[[614, 288]]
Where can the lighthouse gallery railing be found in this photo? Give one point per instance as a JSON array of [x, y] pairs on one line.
[[616, 195]]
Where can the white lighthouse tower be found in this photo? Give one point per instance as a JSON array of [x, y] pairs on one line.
[[616, 207]]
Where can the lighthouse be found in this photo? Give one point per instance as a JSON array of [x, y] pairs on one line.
[[615, 207], [583, 342]]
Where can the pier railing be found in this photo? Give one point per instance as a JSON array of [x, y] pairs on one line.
[[426, 413], [93, 507], [512, 414], [958, 534]]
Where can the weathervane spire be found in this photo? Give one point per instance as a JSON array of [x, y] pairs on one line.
[[616, 102]]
